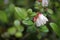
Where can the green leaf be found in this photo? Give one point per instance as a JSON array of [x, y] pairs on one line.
[[33, 14], [37, 5], [3, 16], [31, 29], [42, 9], [44, 29], [29, 10], [11, 30], [18, 34], [17, 23], [55, 28], [21, 13], [11, 8], [50, 11], [27, 22], [20, 28]]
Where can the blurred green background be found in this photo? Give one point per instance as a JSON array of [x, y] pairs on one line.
[[16, 20]]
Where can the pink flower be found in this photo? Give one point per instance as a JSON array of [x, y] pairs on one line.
[[40, 19]]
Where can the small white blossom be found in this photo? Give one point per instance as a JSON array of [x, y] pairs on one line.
[[45, 3], [41, 20]]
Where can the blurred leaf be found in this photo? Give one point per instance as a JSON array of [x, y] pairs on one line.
[[42, 9], [29, 11], [11, 7], [55, 28], [33, 14], [11, 30], [3, 16], [37, 5], [50, 11], [27, 22], [18, 34], [21, 13], [31, 29], [17, 23], [44, 29], [20, 28]]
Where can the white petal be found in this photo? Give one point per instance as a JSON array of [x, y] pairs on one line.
[[41, 20], [44, 21], [44, 17], [40, 23], [37, 22]]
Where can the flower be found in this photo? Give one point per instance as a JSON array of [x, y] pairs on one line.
[[40, 19], [44, 3]]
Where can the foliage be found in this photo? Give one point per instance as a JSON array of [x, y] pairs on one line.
[[17, 19]]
